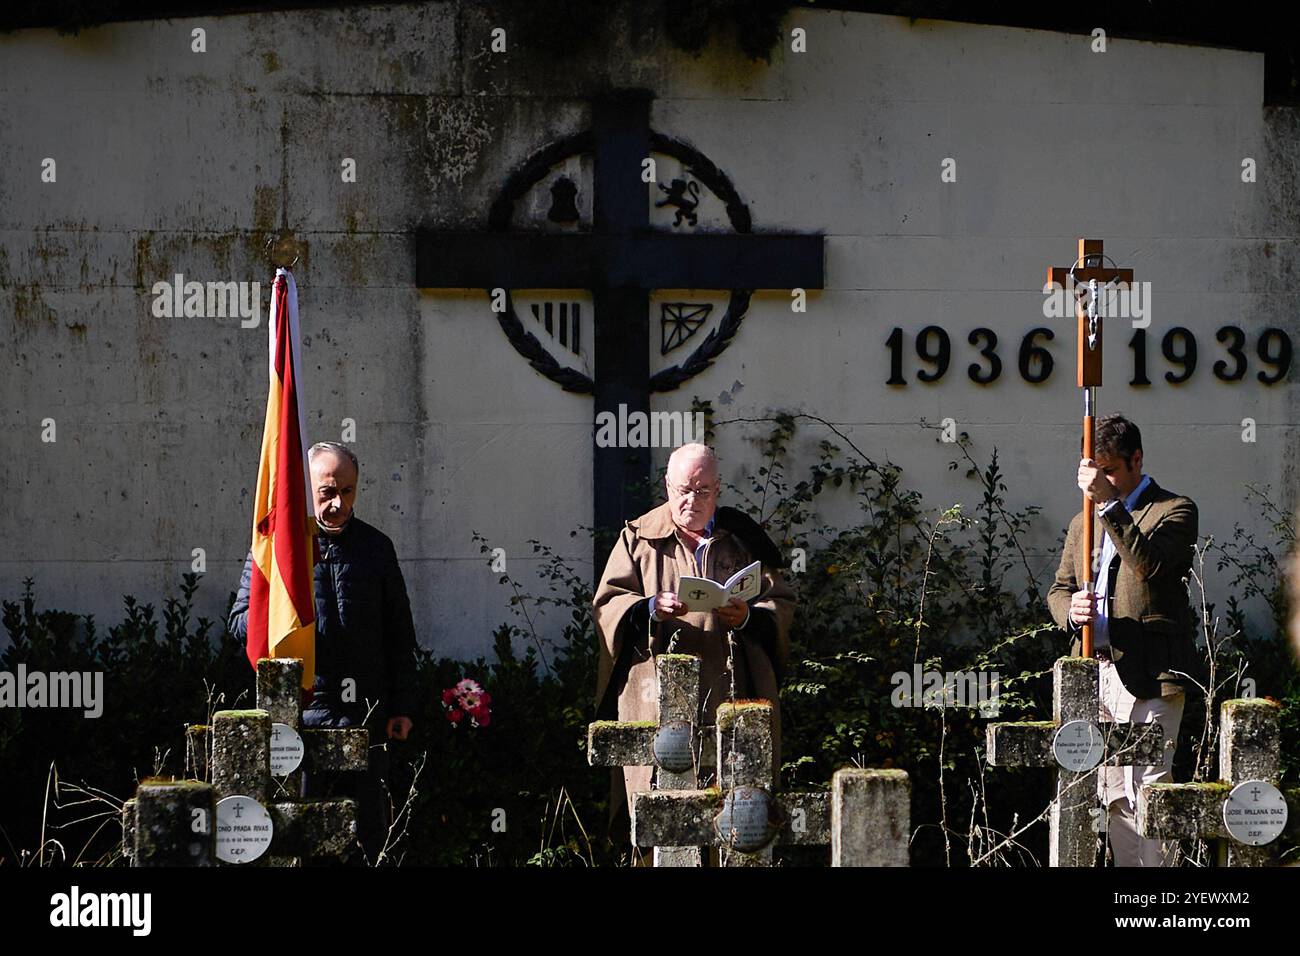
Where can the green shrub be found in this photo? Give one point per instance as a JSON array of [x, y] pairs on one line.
[[904, 585]]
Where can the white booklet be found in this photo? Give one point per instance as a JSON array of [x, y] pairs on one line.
[[701, 594]]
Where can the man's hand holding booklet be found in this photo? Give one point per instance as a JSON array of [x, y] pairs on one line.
[[701, 594]]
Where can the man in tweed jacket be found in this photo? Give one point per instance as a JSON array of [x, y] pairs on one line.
[[1144, 631]]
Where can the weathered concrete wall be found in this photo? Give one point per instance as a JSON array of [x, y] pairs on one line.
[[172, 161]]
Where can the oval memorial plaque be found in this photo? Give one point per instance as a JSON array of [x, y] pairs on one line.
[[286, 750], [672, 747], [1078, 745], [1255, 813], [243, 830], [745, 821]]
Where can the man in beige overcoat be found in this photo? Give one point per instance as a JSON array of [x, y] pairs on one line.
[[638, 614]]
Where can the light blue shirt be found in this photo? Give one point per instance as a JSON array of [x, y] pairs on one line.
[[1100, 627], [705, 537]]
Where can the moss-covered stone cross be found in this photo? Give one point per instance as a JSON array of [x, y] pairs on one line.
[[1249, 749], [675, 735], [173, 822], [866, 818], [1076, 814]]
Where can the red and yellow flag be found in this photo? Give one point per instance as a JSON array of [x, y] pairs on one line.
[[281, 600]]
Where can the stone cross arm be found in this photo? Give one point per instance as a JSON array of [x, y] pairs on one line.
[[621, 743], [649, 259], [170, 823], [1029, 744], [866, 817], [1173, 809], [685, 818], [173, 823], [319, 828], [613, 743], [1249, 749], [343, 748], [1179, 809]]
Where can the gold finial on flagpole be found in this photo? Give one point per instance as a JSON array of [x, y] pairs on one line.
[[283, 250]]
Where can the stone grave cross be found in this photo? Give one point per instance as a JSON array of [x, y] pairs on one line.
[[671, 746], [1249, 763], [1076, 743], [176, 822], [866, 818]]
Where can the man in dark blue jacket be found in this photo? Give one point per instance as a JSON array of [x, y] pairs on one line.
[[365, 637]]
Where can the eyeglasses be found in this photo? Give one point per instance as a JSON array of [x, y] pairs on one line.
[[704, 494]]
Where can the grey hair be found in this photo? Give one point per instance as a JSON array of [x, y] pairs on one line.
[[692, 450], [341, 450]]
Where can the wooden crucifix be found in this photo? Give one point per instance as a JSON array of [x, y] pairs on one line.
[[1089, 275]]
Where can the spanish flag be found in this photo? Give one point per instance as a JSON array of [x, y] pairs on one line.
[[281, 602]]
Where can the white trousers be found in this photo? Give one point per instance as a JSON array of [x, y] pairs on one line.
[[1117, 786]]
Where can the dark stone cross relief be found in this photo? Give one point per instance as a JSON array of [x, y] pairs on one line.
[[605, 243]]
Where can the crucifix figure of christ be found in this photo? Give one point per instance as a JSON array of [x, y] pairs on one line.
[[1089, 279], [620, 259]]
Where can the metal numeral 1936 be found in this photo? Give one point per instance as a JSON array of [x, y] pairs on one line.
[[934, 348]]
